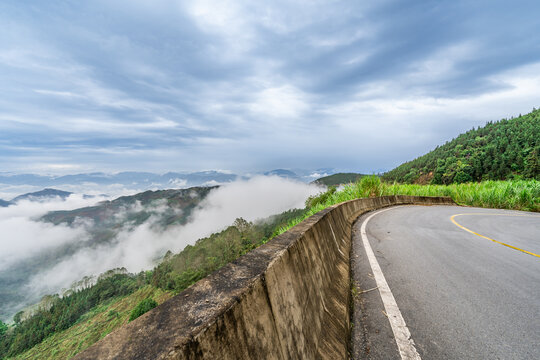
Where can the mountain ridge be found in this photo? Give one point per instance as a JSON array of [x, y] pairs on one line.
[[42, 195]]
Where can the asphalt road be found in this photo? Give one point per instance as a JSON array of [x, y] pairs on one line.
[[462, 296]]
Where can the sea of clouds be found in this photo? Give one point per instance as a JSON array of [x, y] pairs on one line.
[[134, 247]]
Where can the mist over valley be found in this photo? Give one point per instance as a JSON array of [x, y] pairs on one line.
[[50, 243]]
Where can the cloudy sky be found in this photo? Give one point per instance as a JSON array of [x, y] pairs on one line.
[[167, 85]]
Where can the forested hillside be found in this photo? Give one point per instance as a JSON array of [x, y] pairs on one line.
[[505, 149], [338, 179]]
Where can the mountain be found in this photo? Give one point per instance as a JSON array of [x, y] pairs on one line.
[[138, 208], [200, 178], [505, 149], [128, 178], [4, 203], [42, 195], [282, 173], [338, 179]]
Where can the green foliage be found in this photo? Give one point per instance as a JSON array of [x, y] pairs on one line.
[[507, 149], [92, 326], [3, 328], [142, 307], [18, 317], [369, 186], [60, 313], [320, 198], [177, 272]]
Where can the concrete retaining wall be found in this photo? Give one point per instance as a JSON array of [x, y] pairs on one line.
[[288, 299]]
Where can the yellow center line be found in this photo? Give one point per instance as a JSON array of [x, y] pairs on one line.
[[485, 237]]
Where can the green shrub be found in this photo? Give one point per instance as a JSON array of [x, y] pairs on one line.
[[320, 198], [142, 307], [3, 328], [369, 186]]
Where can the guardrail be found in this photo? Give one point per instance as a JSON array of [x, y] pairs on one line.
[[287, 299]]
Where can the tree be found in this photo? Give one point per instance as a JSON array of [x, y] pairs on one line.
[[18, 317], [242, 225], [533, 165], [3, 328]]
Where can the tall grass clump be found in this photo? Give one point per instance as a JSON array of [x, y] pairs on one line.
[[511, 194]]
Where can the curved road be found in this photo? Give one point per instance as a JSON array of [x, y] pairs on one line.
[[461, 294]]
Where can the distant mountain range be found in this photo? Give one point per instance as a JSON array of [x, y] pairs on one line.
[[145, 180], [130, 177], [43, 195], [136, 181], [283, 173]]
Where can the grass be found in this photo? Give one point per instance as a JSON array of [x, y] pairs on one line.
[[512, 194], [93, 326]]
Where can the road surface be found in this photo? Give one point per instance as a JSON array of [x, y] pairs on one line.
[[466, 282]]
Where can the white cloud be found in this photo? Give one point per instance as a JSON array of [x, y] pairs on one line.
[[195, 81], [178, 183], [225, 19], [23, 237], [442, 64], [284, 101]]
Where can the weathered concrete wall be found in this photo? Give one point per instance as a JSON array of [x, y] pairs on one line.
[[288, 299]]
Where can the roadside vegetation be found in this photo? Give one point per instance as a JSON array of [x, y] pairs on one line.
[[177, 272], [511, 194]]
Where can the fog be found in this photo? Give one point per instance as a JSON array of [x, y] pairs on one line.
[[21, 236], [135, 247]]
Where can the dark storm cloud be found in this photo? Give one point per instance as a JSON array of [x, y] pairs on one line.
[[187, 85]]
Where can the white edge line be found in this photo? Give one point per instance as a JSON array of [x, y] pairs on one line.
[[405, 343]]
